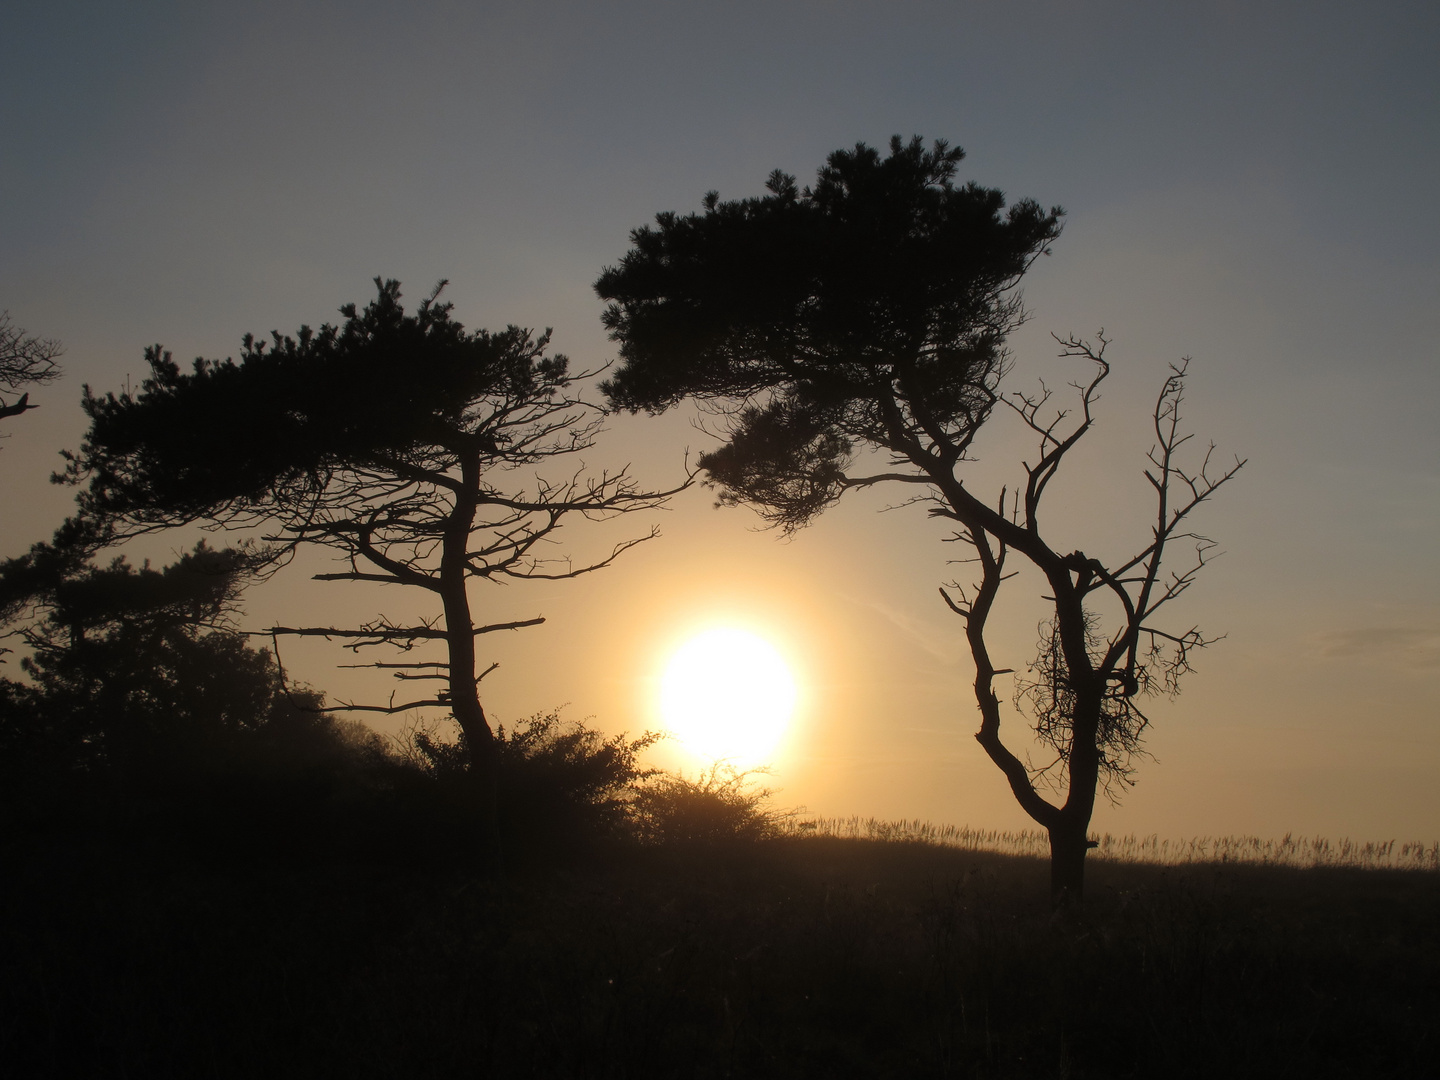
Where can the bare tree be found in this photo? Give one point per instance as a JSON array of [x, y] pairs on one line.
[[25, 360], [1103, 649]]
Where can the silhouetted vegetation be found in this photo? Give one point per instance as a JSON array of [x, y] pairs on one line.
[[208, 874], [396, 439], [869, 313], [719, 805], [559, 781], [1303, 852], [25, 360], [787, 957], [139, 695], [270, 891], [137, 681]]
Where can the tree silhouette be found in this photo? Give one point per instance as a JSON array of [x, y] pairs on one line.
[[1102, 649], [25, 360], [395, 439], [869, 313], [134, 673], [870, 309]]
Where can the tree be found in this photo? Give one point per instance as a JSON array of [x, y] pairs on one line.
[[870, 313], [1102, 650], [25, 360], [394, 439], [135, 673]]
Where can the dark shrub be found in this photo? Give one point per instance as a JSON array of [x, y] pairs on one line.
[[718, 804], [557, 777]]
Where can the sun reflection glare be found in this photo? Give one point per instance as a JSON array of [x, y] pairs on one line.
[[727, 694]]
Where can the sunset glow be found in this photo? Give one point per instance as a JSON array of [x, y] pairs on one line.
[[403, 149], [727, 694]]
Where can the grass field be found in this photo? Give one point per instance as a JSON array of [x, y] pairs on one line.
[[330, 947], [1292, 851]]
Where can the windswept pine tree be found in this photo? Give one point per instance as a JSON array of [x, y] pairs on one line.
[[410, 446]]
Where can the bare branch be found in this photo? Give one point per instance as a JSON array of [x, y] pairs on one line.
[[347, 706], [975, 614], [1054, 447], [576, 571], [25, 360], [408, 667], [382, 633], [880, 478]]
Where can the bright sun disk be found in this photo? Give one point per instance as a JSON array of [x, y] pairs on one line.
[[727, 694]]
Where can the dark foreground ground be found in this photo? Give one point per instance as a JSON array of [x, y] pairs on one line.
[[200, 955]]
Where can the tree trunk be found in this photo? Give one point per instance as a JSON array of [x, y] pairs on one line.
[[1068, 843], [460, 642], [1068, 846]]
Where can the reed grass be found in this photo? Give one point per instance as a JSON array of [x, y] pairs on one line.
[[1290, 850]]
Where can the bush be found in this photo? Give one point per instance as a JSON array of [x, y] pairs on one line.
[[556, 777], [719, 804], [560, 777]]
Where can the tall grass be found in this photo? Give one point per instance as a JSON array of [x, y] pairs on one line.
[[1288, 851]]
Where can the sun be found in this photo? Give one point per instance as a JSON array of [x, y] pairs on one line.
[[727, 694]]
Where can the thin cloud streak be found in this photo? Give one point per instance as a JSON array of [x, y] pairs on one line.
[[1403, 646]]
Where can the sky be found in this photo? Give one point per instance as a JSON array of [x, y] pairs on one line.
[[1251, 186]]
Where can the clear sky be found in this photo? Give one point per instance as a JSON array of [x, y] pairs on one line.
[[1254, 186]]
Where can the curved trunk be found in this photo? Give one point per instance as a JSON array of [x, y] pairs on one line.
[[464, 694], [1067, 825], [460, 642]]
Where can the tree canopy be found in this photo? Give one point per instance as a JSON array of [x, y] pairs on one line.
[[869, 308], [385, 392]]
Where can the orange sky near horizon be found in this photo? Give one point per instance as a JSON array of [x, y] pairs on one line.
[[1253, 197]]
